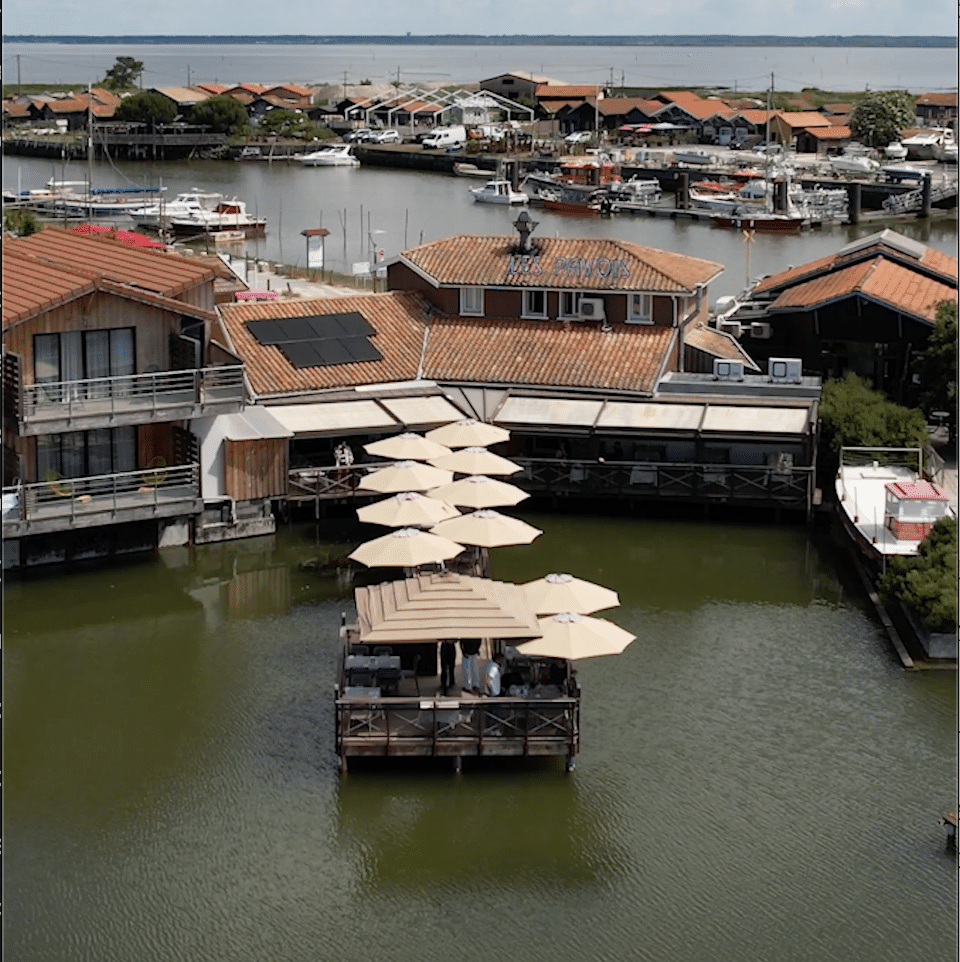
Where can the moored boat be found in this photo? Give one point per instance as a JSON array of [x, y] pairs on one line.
[[228, 215], [499, 192], [336, 155], [185, 204]]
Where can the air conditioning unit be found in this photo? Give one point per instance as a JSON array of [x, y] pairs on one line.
[[591, 309], [733, 328], [761, 330], [727, 370], [785, 370]]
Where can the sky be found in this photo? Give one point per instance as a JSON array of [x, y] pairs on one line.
[[490, 17]]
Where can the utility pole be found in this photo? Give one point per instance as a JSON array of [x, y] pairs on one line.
[[18, 75], [188, 75]]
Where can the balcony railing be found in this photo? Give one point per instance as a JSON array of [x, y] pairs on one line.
[[129, 398], [61, 503]]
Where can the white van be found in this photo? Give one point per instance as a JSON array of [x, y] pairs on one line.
[[453, 136]]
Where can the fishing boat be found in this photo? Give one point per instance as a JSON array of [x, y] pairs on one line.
[[336, 155], [72, 198], [854, 164], [499, 192], [695, 158], [634, 194]]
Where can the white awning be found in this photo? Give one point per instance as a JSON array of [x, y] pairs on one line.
[[333, 417], [548, 412], [650, 416], [417, 412], [253, 424], [732, 419]]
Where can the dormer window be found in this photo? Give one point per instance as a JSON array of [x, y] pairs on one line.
[[641, 309], [471, 301], [534, 303]]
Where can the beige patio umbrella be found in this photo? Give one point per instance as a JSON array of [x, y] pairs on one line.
[[408, 509], [562, 592], [487, 529], [407, 447], [440, 605], [405, 548], [476, 460], [467, 433], [405, 476], [479, 491], [572, 636]]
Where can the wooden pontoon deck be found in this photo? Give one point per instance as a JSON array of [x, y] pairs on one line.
[[412, 717]]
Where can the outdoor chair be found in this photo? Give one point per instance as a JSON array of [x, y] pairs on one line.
[[412, 672], [359, 649], [389, 679], [383, 650], [361, 679]]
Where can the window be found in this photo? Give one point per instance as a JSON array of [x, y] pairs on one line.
[[641, 309], [79, 454], [570, 304], [471, 300], [534, 303], [76, 356]]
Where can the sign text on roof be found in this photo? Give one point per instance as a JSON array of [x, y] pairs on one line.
[[583, 267]]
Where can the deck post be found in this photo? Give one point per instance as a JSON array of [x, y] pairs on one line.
[[571, 763], [457, 764]]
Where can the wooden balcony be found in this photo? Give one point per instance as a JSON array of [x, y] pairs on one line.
[[58, 406], [68, 503]]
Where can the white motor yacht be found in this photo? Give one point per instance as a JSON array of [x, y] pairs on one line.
[[336, 155], [189, 203]]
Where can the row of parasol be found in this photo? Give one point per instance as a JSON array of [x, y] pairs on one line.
[[429, 529]]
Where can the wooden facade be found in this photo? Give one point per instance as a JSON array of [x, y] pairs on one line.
[[257, 469]]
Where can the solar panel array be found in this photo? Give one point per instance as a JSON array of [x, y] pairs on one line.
[[320, 340]]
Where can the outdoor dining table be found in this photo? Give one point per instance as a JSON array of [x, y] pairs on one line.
[[371, 663], [360, 691]]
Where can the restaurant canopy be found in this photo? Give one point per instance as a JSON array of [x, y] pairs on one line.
[[443, 605]]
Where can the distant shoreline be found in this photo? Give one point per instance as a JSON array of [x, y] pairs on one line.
[[530, 40]]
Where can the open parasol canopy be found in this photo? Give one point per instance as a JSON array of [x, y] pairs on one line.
[[467, 433], [407, 447], [479, 491], [407, 509], [572, 636], [561, 592], [406, 548], [405, 476], [475, 460], [487, 529], [442, 605]]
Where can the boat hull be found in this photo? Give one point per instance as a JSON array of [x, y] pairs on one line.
[[769, 223]]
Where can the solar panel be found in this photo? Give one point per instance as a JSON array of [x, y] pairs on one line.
[[319, 340]]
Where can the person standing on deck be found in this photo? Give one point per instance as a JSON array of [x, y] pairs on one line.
[[470, 648], [448, 658]]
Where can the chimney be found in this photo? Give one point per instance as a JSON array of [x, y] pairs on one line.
[[525, 226]]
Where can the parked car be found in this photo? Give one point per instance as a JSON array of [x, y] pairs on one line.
[[578, 137], [445, 137], [363, 135], [386, 137]]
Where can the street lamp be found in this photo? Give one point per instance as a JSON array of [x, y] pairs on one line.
[[376, 253]]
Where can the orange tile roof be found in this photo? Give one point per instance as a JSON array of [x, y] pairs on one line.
[[67, 105], [879, 279], [510, 351], [473, 260], [292, 88], [932, 261], [478, 350], [212, 88], [398, 317], [755, 116], [937, 100], [836, 132], [15, 109], [802, 118], [611, 106], [838, 108], [90, 259]]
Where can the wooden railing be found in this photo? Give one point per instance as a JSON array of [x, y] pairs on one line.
[[452, 726]]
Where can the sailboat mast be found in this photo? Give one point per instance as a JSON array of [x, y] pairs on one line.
[[89, 152]]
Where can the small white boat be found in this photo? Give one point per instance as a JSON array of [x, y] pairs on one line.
[[471, 170], [337, 155], [924, 144], [854, 164], [72, 198], [946, 150], [633, 193], [499, 192], [228, 215], [895, 151]]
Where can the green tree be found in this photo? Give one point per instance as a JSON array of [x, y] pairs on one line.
[[223, 115], [21, 222], [937, 364], [123, 74], [854, 415], [927, 582], [282, 121], [146, 108], [880, 115]]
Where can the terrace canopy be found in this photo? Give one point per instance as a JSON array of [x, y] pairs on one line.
[[443, 605]]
